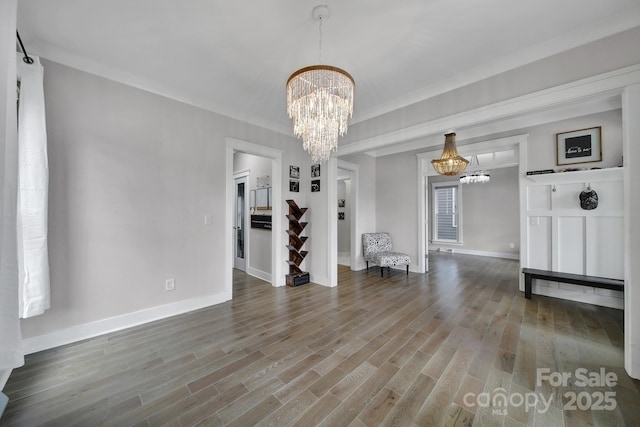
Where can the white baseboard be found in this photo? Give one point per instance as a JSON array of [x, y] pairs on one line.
[[117, 323], [457, 250], [259, 274]]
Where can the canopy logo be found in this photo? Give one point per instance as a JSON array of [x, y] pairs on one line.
[[499, 400]]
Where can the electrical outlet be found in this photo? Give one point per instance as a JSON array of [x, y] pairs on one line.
[[170, 285], [512, 245]]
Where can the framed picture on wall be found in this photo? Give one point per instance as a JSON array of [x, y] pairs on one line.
[[579, 146], [315, 185], [340, 215], [294, 172], [315, 171], [294, 186], [341, 203]]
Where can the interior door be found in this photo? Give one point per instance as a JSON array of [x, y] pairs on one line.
[[239, 246]]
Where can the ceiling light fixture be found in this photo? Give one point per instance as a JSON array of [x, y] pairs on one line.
[[320, 102], [450, 163], [476, 175]]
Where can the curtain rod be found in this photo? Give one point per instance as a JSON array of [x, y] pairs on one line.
[[26, 58]]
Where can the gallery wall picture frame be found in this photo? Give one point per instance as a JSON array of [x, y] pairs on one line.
[[315, 186], [294, 186], [579, 146], [315, 171], [263, 181], [341, 203], [341, 216], [294, 172]]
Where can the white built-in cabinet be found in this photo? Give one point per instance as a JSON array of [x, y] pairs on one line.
[[561, 236]]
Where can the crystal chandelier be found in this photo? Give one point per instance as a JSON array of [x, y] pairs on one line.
[[476, 175], [320, 103], [450, 163]]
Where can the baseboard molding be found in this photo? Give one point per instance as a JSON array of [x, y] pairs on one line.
[[117, 323], [259, 274], [490, 254]]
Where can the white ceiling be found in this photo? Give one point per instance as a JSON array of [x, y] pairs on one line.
[[234, 57]]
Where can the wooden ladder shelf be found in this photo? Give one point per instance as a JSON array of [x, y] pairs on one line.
[[296, 276]]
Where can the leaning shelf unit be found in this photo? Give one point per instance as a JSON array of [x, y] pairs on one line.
[[296, 276]]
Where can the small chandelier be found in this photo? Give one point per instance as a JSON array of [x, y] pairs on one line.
[[320, 103], [450, 163], [475, 175]]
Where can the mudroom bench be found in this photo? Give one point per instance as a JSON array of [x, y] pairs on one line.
[[575, 279]]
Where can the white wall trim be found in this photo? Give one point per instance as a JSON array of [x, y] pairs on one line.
[[555, 113], [259, 274], [117, 323], [606, 84]]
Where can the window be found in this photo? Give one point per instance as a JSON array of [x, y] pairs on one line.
[[447, 213]]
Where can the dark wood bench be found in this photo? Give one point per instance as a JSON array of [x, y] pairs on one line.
[[575, 279]]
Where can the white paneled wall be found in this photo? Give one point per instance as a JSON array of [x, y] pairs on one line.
[[563, 237]]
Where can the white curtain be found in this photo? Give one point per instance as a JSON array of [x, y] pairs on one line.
[[33, 192]]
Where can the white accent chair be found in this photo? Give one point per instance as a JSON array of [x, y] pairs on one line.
[[378, 248]]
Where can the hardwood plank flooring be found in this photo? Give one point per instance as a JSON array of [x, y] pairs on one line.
[[402, 350]]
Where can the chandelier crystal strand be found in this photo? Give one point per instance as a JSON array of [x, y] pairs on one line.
[[320, 103], [475, 175]]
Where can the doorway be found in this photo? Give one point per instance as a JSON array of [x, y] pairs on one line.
[[344, 217], [277, 247], [345, 171], [240, 223], [502, 153]]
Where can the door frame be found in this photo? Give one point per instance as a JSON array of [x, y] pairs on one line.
[[333, 218], [244, 176], [277, 249], [425, 170]]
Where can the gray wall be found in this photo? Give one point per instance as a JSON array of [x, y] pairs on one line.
[[396, 201], [490, 213], [395, 177], [541, 153], [366, 199], [132, 175]]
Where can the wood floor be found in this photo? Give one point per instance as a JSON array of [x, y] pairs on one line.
[[399, 350]]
